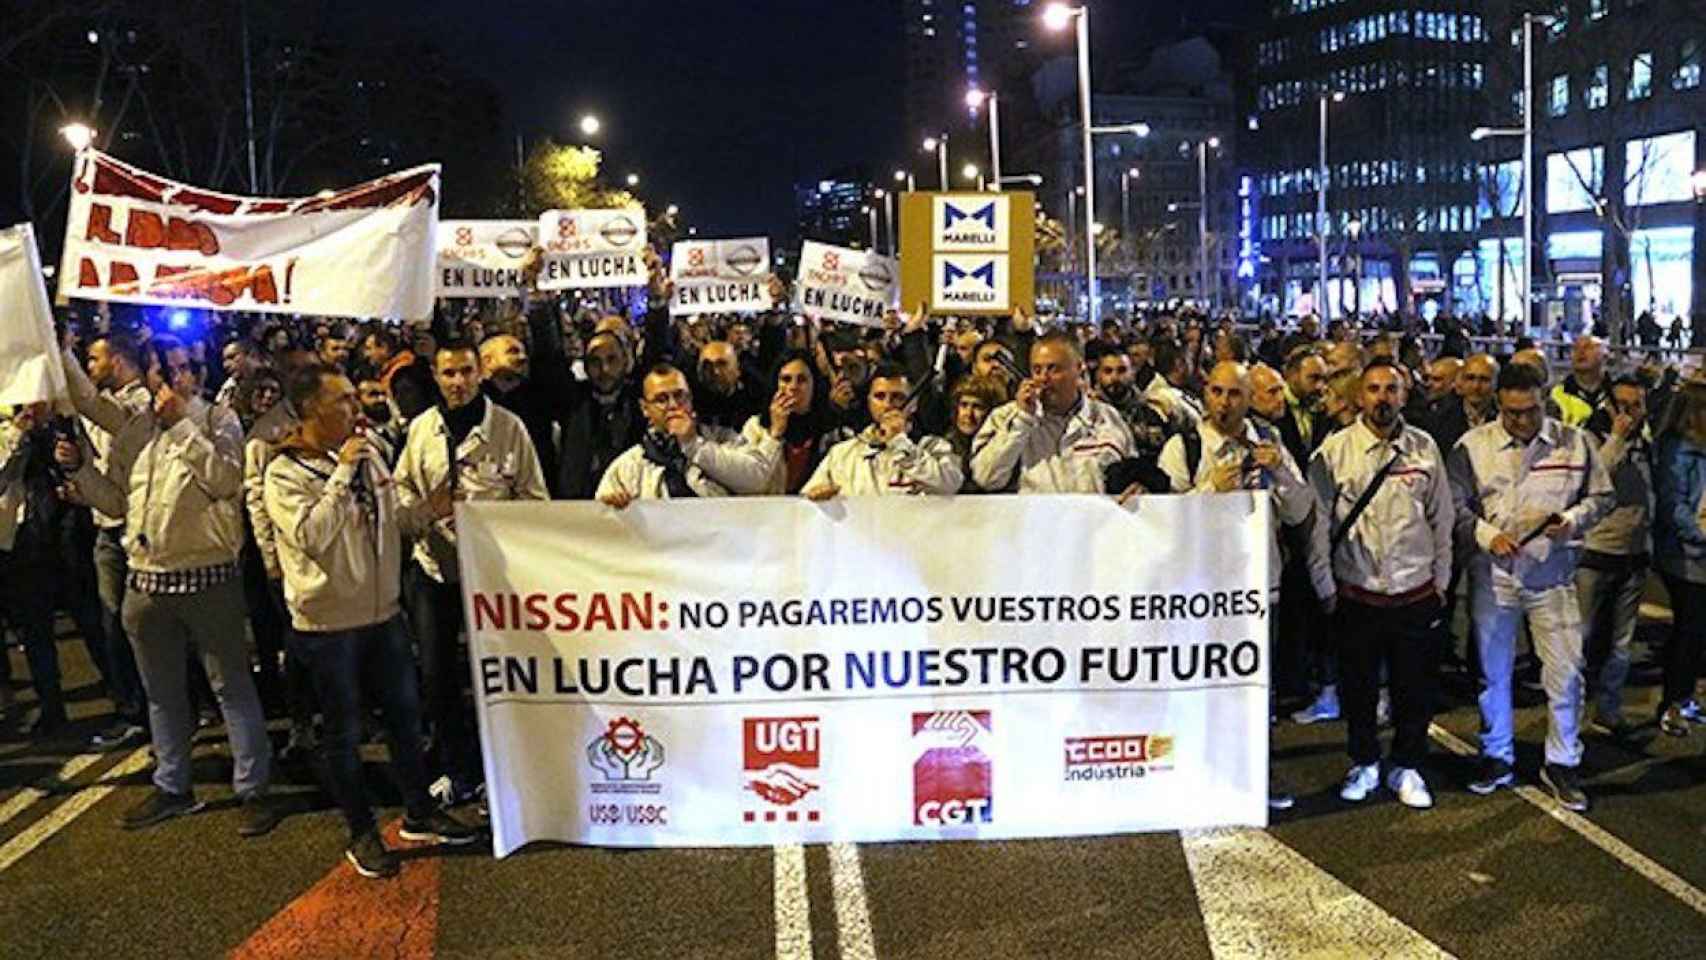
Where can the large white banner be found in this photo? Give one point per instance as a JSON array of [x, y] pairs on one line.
[[720, 276], [769, 670], [587, 249], [134, 237], [855, 286], [482, 258], [30, 367]]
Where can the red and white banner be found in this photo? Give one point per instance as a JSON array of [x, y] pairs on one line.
[[134, 237], [30, 368]]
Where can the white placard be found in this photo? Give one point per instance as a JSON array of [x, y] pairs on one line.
[[30, 365], [854, 286], [482, 258], [753, 671], [586, 249], [720, 276]]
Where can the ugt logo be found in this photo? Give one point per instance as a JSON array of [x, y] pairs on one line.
[[952, 215], [627, 756], [951, 779], [780, 760], [985, 274]]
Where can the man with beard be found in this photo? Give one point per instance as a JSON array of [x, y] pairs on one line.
[[509, 383], [676, 457], [380, 420], [884, 459], [1114, 383], [848, 373], [1384, 572], [1229, 452], [602, 417], [1168, 391], [479, 451], [1051, 438], [722, 395]]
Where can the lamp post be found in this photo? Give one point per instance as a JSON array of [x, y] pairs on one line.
[[1056, 17], [1202, 147], [905, 176], [970, 172], [1125, 202], [887, 197], [590, 125], [1337, 96], [1034, 179], [1072, 225], [870, 213], [1354, 230], [633, 179], [976, 98], [939, 145], [78, 135]]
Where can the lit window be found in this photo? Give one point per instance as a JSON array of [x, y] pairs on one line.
[[1640, 76], [1599, 87], [1558, 99], [1560, 19], [1687, 75], [1597, 8]]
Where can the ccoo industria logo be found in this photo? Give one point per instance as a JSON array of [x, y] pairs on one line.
[[627, 757], [1117, 757]]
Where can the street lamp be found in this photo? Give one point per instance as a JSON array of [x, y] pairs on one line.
[[633, 179], [1057, 17], [1337, 96], [939, 145], [975, 99], [905, 176], [1034, 179], [1072, 223], [79, 135], [971, 172], [870, 213], [590, 125], [1202, 149], [671, 210], [887, 197]]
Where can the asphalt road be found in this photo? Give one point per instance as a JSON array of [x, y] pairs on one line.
[[1509, 876]]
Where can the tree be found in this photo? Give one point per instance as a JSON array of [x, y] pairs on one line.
[[561, 177]]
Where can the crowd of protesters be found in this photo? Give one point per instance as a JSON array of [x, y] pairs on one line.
[[256, 519]]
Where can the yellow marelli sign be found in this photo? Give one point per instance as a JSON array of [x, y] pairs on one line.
[[968, 254]]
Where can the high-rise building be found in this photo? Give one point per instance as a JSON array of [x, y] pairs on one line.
[[954, 45], [1618, 104], [1402, 88], [832, 210]]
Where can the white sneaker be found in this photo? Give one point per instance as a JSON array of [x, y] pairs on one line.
[[1383, 709], [1411, 789], [1360, 782]]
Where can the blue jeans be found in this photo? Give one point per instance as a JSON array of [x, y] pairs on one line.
[[343, 663]]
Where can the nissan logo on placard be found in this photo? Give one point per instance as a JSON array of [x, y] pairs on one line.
[[514, 243], [744, 260], [618, 231], [876, 276]]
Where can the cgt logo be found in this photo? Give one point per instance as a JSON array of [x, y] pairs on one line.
[[627, 756], [951, 775], [780, 762]]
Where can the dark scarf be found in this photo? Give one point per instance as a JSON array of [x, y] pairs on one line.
[[663, 450]]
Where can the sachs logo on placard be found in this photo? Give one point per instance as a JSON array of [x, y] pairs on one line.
[[780, 761], [1117, 756], [952, 782], [627, 756]]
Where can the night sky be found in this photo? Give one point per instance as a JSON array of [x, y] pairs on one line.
[[721, 107]]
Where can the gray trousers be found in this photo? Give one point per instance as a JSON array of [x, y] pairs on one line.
[[161, 629], [1610, 601]]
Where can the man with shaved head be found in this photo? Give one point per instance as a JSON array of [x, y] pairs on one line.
[[507, 380], [722, 393], [1344, 356], [1267, 393], [1441, 377], [1586, 381], [1229, 452]]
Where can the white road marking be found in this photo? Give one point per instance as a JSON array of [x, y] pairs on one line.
[[1634, 859], [793, 905], [1260, 898], [852, 916], [37, 833], [27, 797]]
